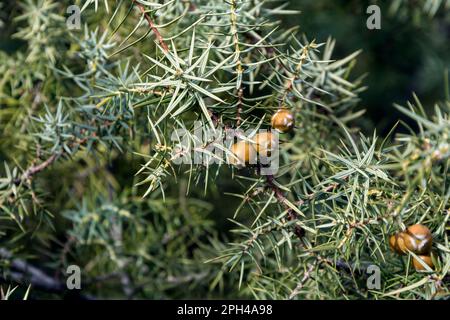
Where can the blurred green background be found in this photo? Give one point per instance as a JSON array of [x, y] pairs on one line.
[[411, 52]]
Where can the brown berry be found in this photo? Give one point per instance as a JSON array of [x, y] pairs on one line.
[[426, 259], [265, 143], [393, 242], [422, 239], [401, 242], [283, 120], [401, 247], [244, 152]]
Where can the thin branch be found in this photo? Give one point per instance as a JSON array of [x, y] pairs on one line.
[[34, 169], [302, 282], [26, 273], [237, 52], [31, 171], [279, 195], [153, 27], [291, 81]]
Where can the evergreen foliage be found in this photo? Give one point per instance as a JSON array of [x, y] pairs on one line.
[[91, 175]]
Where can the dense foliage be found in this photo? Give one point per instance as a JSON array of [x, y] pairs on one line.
[[90, 176]]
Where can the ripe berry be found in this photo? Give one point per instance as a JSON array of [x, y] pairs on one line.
[[245, 153], [421, 239], [283, 120], [416, 238], [404, 243], [426, 259], [393, 243], [265, 143]]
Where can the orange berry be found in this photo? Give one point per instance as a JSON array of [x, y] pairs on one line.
[[426, 259], [283, 120], [422, 238], [393, 242], [244, 152], [265, 143], [405, 242]]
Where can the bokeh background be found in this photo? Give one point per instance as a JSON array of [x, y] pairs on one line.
[[411, 52]]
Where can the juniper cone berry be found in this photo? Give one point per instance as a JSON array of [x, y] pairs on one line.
[[244, 152], [400, 243], [416, 238], [426, 259], [112, 140], [265, 143], [393, 243], [283, 121], [421, 239]]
